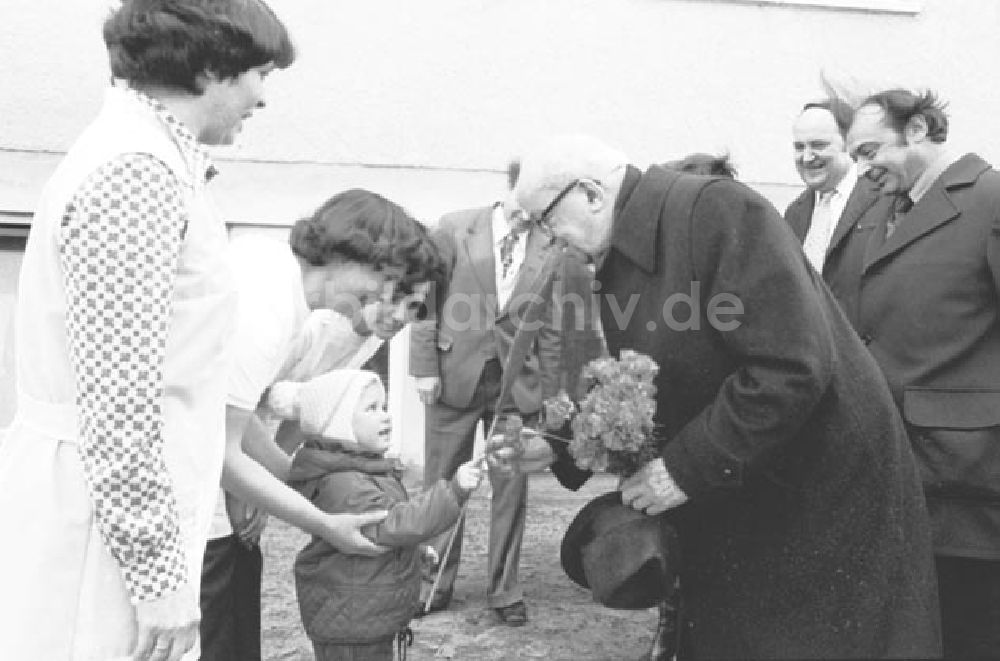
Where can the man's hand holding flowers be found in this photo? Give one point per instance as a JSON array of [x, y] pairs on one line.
[[612, 429], [528, 452]]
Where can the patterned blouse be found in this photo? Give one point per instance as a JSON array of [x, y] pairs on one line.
[[121, 238]]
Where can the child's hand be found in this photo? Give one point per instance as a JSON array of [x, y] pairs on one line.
[[469, 475], [429, 558]]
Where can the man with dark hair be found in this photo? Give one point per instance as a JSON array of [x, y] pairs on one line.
[[109, 474], [928, 304], [828, 216], [457, 357]]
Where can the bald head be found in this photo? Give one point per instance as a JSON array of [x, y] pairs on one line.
[[820, 152]]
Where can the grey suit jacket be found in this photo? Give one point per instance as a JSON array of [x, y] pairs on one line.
[[467, 327]]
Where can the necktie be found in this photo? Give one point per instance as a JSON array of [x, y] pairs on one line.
[[900, 206], [820, 230], [507, 244]]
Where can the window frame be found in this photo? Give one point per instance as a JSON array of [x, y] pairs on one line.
[[15, 225]]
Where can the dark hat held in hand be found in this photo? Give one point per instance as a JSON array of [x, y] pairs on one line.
[[627, 559]]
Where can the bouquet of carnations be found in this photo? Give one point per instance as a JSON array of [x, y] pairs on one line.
[[612, 425]]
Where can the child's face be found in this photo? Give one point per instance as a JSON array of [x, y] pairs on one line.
[[372, 425]]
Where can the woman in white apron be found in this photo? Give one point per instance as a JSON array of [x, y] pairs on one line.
[[109, 472]]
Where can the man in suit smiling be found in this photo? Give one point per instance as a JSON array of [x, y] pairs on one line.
[[833, 214], [928, 311]]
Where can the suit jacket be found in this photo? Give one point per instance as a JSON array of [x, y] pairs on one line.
[[929, 313], [806, 532], [845, 254], [467, 328]]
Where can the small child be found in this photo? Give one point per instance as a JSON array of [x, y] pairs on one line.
[[353, 606]]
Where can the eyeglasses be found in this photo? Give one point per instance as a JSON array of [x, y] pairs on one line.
[[542, 219]]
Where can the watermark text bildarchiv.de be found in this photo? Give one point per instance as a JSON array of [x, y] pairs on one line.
[[681, 311]]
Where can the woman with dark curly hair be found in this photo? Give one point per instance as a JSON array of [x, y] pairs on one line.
[[359, 255]]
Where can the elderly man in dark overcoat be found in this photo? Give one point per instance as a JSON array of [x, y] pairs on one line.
[[798, 502]]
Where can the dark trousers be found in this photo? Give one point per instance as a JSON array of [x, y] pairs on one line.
[[969, 591], [448, 443], [380, 651], [230, 601]]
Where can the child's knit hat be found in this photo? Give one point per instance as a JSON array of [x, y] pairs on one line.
[[325, 405]]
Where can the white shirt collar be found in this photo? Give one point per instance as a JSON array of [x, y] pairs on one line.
[[500, 225], [843, 190], [194, 152]]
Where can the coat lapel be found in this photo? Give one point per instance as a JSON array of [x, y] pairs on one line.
[[934, 209], [636, 224], [862, 198], [799, 215], [534, 257], [479, 247]]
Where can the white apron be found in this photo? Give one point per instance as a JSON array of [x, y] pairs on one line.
[[62, 595]]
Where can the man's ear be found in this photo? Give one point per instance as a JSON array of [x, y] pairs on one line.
[[595, 193], [915, 130]]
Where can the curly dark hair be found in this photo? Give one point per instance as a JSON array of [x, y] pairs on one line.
[[900, 106], [362, 226], [171, 42], [705, 164]]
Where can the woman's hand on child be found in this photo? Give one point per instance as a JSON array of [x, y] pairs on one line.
[[469, 475], [253, 528], [344, 532], [248, 522]]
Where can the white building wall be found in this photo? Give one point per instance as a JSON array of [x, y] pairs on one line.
[[463, 84], [425, 101]]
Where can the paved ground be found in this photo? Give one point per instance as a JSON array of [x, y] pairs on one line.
[[565, 624]]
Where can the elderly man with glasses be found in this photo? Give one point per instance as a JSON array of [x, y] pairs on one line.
[[796, 497]]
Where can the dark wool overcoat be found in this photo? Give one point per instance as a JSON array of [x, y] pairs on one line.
[[806, 533]]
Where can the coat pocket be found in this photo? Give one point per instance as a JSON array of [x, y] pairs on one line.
[[955, 435]]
